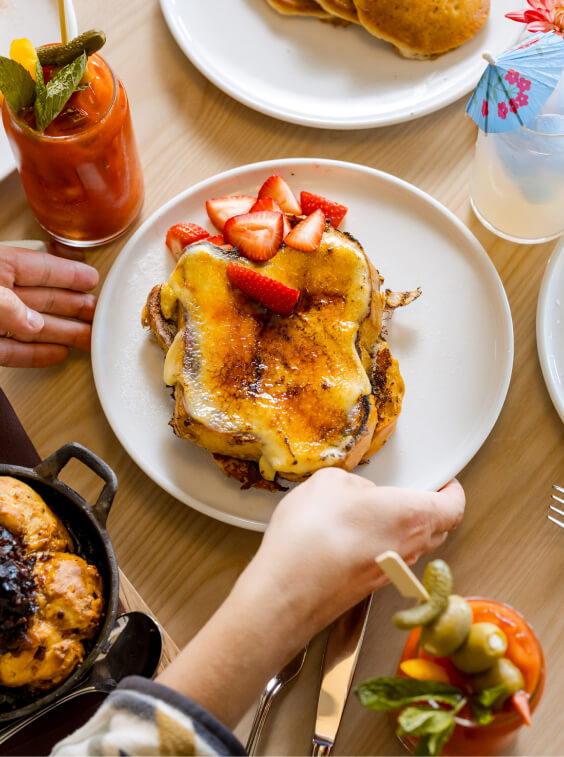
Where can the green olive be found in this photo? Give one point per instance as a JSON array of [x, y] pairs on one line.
[[484, 645], [502, 673], [449, 630]]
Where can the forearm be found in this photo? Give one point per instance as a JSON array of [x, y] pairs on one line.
[[226, 665]]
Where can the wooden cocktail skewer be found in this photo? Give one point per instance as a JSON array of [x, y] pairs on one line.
[[401, 575], [63, 21]]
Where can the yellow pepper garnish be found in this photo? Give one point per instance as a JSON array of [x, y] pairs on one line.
[[23, 52], [424, 670]]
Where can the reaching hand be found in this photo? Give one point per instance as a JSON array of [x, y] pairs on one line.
[[316, 560], [36, 288]]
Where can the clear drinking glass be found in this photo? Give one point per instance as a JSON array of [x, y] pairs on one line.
[[517, 184]]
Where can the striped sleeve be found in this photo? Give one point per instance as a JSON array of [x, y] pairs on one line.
[[142, 718]]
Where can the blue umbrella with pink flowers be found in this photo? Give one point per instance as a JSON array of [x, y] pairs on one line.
[[517, 83]]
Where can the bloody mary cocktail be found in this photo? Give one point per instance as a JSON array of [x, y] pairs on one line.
[[523, 649], [82, 175]]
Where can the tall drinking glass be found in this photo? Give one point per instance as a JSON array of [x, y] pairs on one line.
[[82, 176]]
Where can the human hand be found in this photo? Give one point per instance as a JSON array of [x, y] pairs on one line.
[[316, 560], [318, 553], [36, 288]]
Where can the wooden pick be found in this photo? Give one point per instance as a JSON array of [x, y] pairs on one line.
[[401, 575], [63, 21]]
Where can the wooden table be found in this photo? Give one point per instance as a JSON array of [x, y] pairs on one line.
[[184, 563]]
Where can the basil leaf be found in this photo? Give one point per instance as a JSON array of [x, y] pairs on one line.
[[52, 98], [489, 697], [434, 727], [16, 84], [433, 743], [395, 693], [482, 715]]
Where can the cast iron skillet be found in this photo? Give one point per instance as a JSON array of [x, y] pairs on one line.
[[87, 527]]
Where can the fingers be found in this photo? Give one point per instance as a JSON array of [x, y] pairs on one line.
[[16, 319], [59, 302], [24, 268], [19, 355], [63, 332], [449, 505]]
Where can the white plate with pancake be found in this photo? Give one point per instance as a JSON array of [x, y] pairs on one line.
[[550, 328], [309, 72], [38, 20], [454, 344]]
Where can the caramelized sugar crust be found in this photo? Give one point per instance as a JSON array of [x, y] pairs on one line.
[[291, 394]]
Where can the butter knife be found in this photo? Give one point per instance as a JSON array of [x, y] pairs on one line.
[[339, 664]]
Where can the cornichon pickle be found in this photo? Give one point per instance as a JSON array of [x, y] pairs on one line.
[[448, 632], [502, 673], [60, 55], [437, 579], [484, 645]]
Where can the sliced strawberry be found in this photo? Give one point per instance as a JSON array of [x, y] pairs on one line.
[[277, 188], [221, 208], [306, 236], [269, 203], [219, 241], [334, 211], [273, 294], [178, 237], [257, 236]]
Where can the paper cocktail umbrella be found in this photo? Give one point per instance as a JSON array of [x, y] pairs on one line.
[[517, 83]]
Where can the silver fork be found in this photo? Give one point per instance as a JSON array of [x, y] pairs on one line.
[[272, 688], [558, 510]]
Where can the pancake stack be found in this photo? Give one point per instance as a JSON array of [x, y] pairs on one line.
[[418, 29]]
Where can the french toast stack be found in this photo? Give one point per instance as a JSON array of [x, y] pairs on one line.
[[418, 29], [279, 396]]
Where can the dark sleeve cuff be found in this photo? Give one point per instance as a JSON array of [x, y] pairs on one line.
[[206, 725]]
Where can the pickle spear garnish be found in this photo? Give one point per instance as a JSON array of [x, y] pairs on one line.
[[437, 579], [61, 55]]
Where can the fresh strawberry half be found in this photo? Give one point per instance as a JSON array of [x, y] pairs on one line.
[[269, 203], [334, 211], [181, 235], [257, 236], [306, 236], [219, 241], [277, 188], [221, 208], [273, 294]]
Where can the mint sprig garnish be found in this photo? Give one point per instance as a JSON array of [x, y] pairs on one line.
[[16, 84], [52, 97], [428, 708]]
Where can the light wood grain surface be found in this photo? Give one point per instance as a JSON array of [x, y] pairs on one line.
[[184, 563]]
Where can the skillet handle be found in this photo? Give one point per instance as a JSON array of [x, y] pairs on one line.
[[52, 466]]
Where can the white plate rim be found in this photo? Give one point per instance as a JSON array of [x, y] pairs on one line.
[[279, 111], [473, 244], [10, 165], [543, 330]]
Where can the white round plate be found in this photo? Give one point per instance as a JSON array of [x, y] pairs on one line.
[[454, 344], [38, 20], [550, 328], [312, 73]]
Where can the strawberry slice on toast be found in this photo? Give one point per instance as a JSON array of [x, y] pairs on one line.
[[269, 203], [257, 236], [332, 210], [273, 294], [277, 188], [179, 236], [220, 209], [306, 236]]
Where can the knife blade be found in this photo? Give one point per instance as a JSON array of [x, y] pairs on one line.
[[339, 664]]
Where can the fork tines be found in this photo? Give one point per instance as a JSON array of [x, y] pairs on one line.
[[559, 489]]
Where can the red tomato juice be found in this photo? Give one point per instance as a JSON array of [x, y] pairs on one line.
[[523, 649], [82, 176]]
